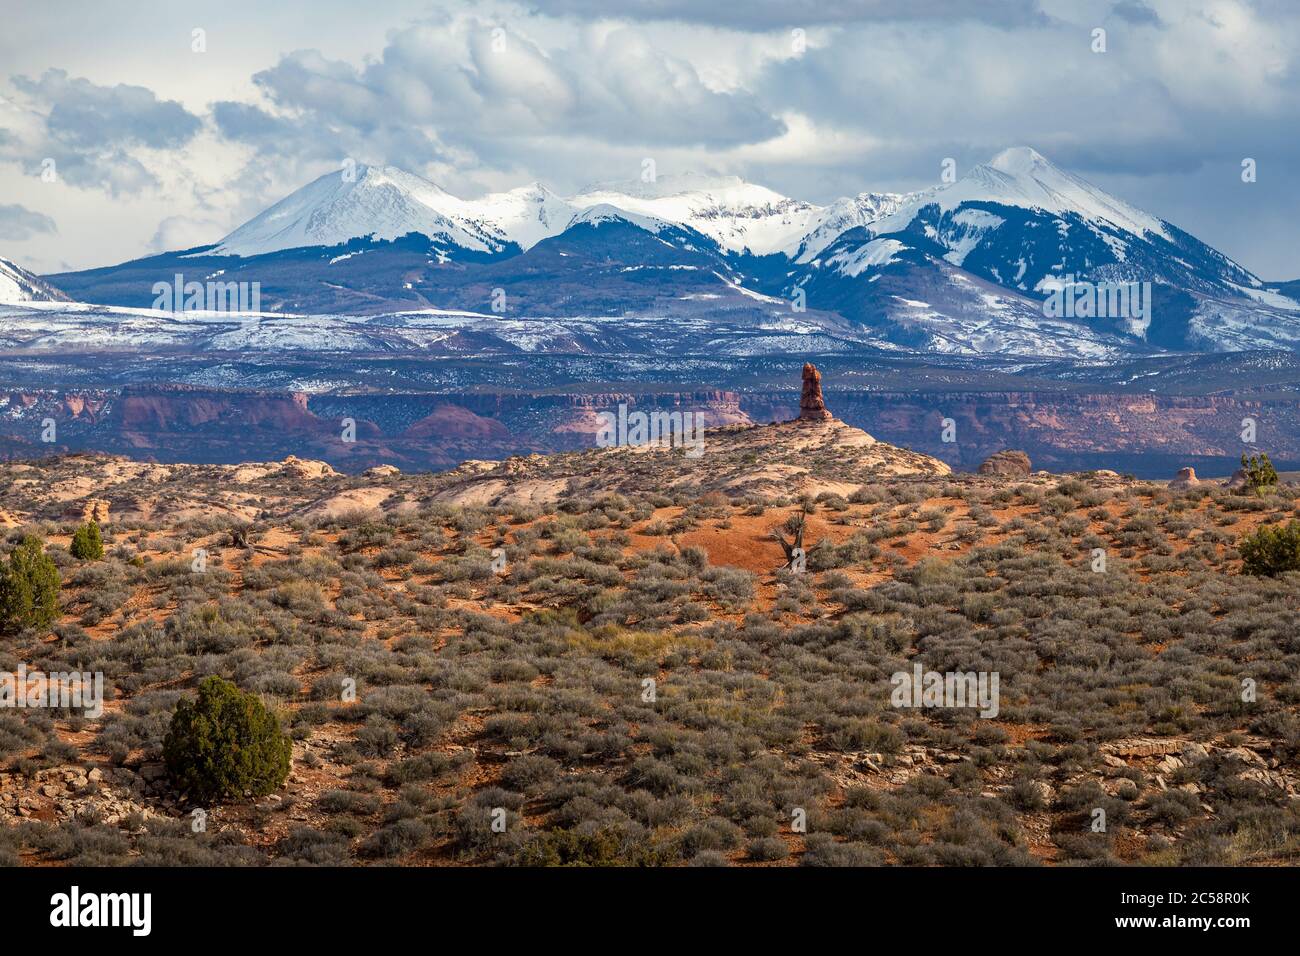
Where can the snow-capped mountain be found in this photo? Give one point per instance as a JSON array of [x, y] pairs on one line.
[[19, 285], [366, 201], [524, 216], [385, 203], [961, 267], [741, 217], [842, 215], [1026, 224]]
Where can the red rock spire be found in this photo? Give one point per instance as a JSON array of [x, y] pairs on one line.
[[812, 407]]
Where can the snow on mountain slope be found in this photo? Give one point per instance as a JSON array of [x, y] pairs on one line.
[[842, 215], [1022, 176], [525, 216], [739, 216], [19, 285], [383, 202], [604, 212], [1023, 223]]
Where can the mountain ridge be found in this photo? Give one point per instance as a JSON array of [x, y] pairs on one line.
[[960, 267]]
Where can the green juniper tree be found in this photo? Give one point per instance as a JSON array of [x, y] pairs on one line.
[[29, 587], [1260, 473], [1271, 550], [225, 744], [87, 543]]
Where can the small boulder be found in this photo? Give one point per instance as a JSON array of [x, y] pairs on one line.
[[1186, 478], [1007, 464], [1238, 479], [382, 471]]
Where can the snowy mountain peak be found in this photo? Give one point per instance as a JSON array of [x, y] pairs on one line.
[[841, 216], [383, 202], [1019, 161], [738, 215], [1022, 176], [525, 215], [603, 212]]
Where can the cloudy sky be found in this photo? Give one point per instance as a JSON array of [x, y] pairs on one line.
[[160, 137]]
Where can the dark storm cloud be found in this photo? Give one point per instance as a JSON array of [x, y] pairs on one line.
[[88, 130], [1135, 11], [18, 222], [83, 114]]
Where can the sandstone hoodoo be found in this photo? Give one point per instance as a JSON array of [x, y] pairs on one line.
[[1185, 478], [1007, 464], [812, 407]]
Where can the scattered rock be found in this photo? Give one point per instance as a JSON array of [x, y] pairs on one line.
[[1007, 464], [1144, 747], [1246, 755], [1169, 764]]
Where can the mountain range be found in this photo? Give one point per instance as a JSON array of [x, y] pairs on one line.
[[960, 268]]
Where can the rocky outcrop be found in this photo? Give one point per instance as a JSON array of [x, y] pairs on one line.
[[352, 501], [812, 407], [453, 421], [1007, 464], [307, 468], [87, 509], [781, 460], [1186, 478]]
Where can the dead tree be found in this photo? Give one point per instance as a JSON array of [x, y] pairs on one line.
[[239, 535], [789, 547]]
